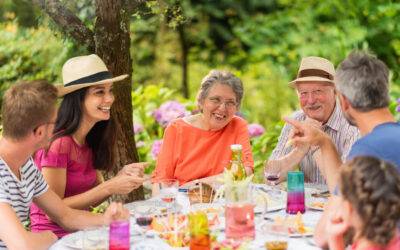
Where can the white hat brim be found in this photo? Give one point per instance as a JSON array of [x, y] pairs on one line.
[[62, 91], [309, 79]]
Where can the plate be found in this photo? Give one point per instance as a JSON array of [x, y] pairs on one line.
[[156, 207], [310, 232], [316, 205], [73, 240]]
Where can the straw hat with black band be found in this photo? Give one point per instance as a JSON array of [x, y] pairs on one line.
[[314, 69], [84, 71]]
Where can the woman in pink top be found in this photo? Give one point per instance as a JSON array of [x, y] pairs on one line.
[[369, 192], [84, 143], [195, 147]]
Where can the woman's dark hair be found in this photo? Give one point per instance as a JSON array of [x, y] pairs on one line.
[[372, 186], [101, 138]]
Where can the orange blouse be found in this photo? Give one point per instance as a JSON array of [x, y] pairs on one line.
[[189, 153]]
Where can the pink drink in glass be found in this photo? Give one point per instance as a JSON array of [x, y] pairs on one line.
[[239, 221], [295, 202], [119, 235]]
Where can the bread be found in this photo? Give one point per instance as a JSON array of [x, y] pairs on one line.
[[201, 193]]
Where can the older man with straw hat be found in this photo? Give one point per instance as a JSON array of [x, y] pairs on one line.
[[315, 88]]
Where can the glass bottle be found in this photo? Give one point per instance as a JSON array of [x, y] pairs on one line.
[[236, 167]]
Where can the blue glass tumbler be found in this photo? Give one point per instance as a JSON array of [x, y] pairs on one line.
[[295, 192]]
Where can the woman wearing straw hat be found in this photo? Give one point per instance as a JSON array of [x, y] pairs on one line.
[[83, 144]]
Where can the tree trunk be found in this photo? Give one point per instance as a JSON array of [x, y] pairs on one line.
[[111, 41], [185, 50], [111, 35]]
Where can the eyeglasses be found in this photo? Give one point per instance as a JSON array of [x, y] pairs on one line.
[[218, 102]]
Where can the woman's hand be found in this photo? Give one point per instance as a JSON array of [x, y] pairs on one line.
[[336, 226], [124, 184], [116, 211], [134, 169]]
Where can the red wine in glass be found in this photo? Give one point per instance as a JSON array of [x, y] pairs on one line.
[[272, 178], [144, 221]]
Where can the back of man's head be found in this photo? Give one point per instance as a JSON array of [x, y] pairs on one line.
[[27, 105], [363, 80]]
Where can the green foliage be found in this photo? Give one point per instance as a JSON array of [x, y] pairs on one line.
[[262, 147], [28, 54], [144, 101]]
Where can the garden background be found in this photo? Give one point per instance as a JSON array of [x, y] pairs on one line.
[[175, 43]]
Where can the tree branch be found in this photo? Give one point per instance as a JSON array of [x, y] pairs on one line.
[[68, 22]]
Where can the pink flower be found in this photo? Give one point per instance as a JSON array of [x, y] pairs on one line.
[[155, 149], [138, 128], [255, 130], [169, 111], [140, 144]]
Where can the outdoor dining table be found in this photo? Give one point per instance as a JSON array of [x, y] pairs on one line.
[[295, 243]]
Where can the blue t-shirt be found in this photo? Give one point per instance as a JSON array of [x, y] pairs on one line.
[[382, 142]]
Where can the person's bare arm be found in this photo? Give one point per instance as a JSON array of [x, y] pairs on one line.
[[331, 162], [287, 163], [120, 184], [73, 219], [15, 236], [320, 233]]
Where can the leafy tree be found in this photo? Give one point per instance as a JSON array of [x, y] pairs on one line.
[[108, 36]]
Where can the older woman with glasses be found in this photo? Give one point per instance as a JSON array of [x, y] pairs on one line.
[[196, 147]]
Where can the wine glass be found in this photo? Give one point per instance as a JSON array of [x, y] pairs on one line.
[[143, 217], [276, 235], [272, 172], [168, 191]]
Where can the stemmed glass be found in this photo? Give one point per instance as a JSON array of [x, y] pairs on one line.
[[168, 191], [272, 172], [143, 217]]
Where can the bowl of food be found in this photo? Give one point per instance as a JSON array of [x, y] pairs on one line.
[[201, 193]]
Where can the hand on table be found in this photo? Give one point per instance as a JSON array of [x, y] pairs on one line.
[[116, 211]]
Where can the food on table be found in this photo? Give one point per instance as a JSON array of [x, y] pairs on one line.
[[325, 194], [174, 229], [276, 245], [201, 193], [295, 224], [318, 204], [230, 244], [199, 231], [179, 239]]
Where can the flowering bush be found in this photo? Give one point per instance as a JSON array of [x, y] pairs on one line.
[[154, 110], [398, 107], [255, 130], [155, 149], [169, 111]]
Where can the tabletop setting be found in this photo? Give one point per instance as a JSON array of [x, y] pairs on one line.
[[214, 216]]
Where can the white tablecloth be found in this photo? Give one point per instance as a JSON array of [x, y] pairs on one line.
[[300, 243]]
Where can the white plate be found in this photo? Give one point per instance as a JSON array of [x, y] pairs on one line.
[[157, 207], [308, 228], [73, 240]]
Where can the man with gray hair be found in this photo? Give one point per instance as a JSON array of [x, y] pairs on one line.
[[317, 96], [363, 85]]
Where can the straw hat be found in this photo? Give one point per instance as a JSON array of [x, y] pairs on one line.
[[84, 71], [314, 69]]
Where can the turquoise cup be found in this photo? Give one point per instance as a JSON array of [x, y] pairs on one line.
[[295, 192]]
